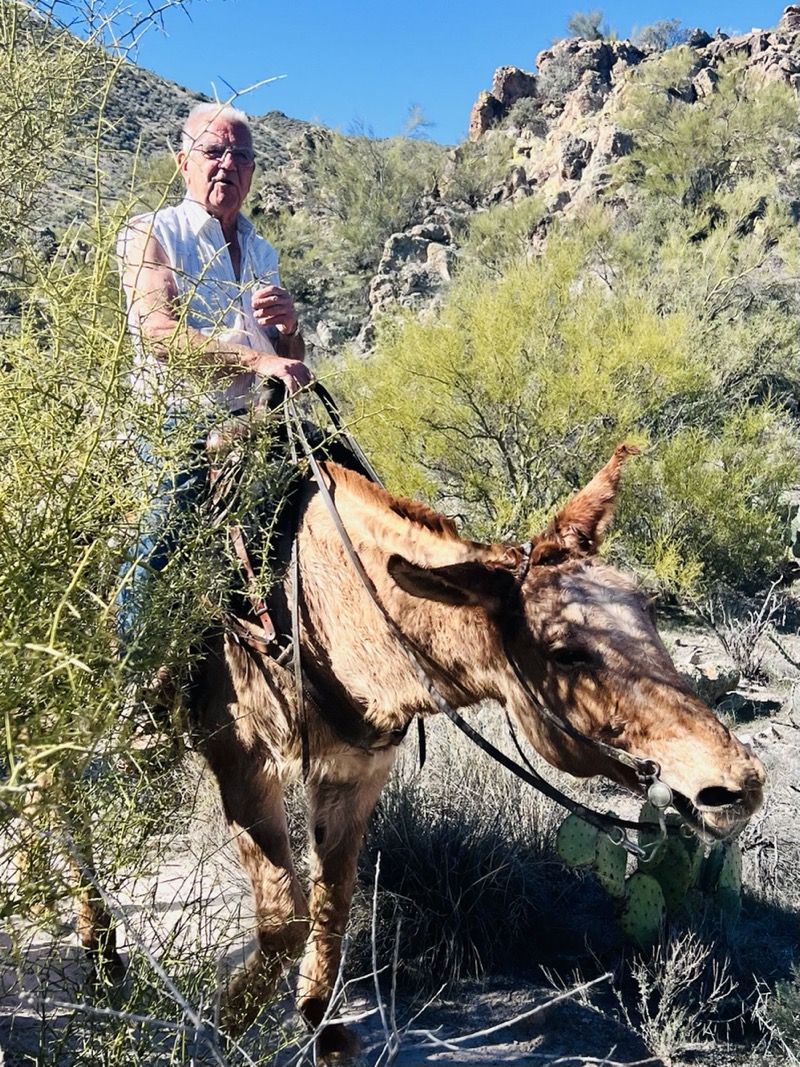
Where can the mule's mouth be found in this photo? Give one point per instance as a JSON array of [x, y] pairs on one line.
[[717, 822]]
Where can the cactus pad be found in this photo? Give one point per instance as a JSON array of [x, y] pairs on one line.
[[643, 910], [609, 866], [674, 874], [577, 842], [730, 876], [711, 869], [696, 850]]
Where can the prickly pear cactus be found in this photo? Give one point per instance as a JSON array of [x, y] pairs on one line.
[[675, 877], [577, 842], [674, 874], [609, 865], [729, 887], [643, 910]]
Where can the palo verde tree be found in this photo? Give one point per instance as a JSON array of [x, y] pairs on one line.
[[73, 491], [503, 402]]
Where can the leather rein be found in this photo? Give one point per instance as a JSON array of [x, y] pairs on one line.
[[647, 770]]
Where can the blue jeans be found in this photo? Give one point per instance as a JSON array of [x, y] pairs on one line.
[[175, 498]]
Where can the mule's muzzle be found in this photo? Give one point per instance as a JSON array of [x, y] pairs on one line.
[[748, 799], [719, 812]]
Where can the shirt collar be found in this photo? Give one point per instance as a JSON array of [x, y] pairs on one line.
[[199, 218]]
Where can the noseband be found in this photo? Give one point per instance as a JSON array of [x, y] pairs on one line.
[[647, 771]]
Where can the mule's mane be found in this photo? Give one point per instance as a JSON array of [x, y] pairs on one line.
[[397, 525], [407, 510]]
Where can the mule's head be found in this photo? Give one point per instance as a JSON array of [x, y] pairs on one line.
[[583, 640]]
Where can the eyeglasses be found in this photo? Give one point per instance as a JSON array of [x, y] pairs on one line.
[[242, 157]]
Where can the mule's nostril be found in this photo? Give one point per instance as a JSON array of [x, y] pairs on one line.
[[716, 796]]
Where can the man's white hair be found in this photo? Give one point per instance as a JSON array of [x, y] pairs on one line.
[[200, 118]]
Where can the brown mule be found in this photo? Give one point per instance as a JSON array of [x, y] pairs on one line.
[[578, 629]]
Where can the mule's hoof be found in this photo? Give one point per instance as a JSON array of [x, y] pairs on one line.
[[337, 1046]]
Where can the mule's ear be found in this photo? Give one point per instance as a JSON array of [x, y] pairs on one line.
[[458, 584], [581, 524]]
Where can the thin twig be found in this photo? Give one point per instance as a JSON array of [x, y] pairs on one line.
[[566, 995], [374, 931]]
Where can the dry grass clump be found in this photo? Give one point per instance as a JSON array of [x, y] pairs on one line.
[[467, 865], [678, 991]]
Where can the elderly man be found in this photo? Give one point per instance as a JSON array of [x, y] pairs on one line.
[[209, 319], [198, 276]]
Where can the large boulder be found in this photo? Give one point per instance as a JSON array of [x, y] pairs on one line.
[[415, 268], [486, 111], [511, 84], [790, 20]]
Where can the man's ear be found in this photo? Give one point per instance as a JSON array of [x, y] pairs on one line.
[[459, 584], [582, 523]]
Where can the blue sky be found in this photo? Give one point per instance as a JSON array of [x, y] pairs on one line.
[[370, 61]]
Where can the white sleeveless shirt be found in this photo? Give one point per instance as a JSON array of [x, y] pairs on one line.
[[210, 299]]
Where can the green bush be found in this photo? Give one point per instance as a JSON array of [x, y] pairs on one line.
[[686, 152], [520, 388], [589, 25], [490, 240], [476, 167], [72, 495], [660, 35]]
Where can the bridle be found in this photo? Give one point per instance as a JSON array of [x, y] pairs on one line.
[[647, 771]]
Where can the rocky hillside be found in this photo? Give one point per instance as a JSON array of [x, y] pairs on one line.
[[552, 136], [562, 136], [564, 115]]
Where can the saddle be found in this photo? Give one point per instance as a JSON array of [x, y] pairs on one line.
[[267, 621]]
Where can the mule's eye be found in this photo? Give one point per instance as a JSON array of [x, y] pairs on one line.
[[572, 659]]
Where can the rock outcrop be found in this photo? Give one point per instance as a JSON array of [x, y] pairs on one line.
[[566, 139]]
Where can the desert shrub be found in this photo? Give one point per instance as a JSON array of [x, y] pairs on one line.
[[778, 1012], [501, 235], [742, 626], [680, 988], [589, 25], [73, 492], [686, 152], [476, 167], [526, 114], [558, 78], [710, 500], [316, 266], [661, 35], [521, 386], [157, 182], [370, 188]]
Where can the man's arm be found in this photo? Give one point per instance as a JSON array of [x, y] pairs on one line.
[[149, 285]]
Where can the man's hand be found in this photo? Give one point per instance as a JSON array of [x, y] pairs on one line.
[[291, 372], [274, 306]]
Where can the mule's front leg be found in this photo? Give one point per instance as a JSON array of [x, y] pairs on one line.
[[253, 802], [340, 808]]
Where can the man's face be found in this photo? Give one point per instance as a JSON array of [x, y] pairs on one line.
[[218, 169]]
